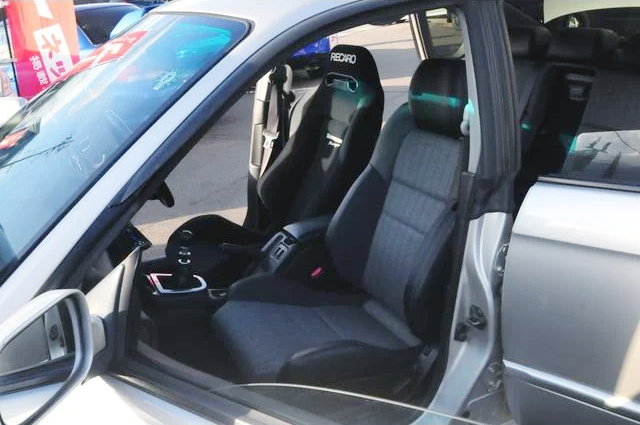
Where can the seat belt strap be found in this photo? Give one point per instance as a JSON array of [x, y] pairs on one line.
[[527, 90], [276, 133], [463, 214], [270, 133]]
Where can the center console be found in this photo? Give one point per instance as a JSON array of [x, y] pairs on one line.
[[297, 251], [283, 253]]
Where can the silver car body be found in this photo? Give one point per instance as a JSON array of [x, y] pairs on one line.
[[569, 282], [570, 316]]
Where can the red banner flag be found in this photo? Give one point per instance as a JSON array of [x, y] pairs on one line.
[[44, 40]]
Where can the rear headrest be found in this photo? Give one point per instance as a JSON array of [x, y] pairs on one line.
[[438, 95], [352, 61], [529, 42], [628, 56], [583, 45]]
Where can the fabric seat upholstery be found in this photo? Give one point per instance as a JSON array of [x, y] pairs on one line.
[[330, 148], [395, 223]]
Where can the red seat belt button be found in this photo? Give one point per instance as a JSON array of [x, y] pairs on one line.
[[317, 272]]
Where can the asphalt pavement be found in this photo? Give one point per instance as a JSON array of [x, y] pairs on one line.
[[212, 178]]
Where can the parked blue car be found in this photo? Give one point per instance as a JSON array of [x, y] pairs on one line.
[[96, 21], [311, 58]]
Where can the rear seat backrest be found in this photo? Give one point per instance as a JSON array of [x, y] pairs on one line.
[[529, 44], [572, 58], [614, 102], [590, 46]]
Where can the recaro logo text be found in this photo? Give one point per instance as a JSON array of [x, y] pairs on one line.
[[344, 57]]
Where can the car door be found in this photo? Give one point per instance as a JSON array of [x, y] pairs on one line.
[[570, 317], [38, 375]]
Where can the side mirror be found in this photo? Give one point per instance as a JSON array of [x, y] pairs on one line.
[[9, 106], [45, 351]]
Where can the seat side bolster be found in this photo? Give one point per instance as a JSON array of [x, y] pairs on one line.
[[347, 360], [425, 289]]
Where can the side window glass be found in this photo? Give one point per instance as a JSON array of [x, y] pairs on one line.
[[612, 156], [446, 34]]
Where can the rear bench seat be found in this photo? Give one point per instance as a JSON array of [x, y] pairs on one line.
[[554, 109], [615, 95], [614, 102]]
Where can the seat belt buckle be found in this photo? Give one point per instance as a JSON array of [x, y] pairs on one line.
[[270, 139]]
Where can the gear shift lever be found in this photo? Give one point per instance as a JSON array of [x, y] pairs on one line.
[[182, 280], [183, 277]]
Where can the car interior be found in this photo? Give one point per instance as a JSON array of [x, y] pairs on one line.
[[342, 283], [333, 141], [569, 81]]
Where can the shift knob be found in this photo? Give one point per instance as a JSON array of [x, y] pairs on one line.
[[185, 237], [184, 269]]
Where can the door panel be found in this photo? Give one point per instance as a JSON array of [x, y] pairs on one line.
[[570, 308], [109, 301], [108, 401]]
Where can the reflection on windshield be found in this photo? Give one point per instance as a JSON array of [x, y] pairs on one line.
[[56, 147], [307, 404]]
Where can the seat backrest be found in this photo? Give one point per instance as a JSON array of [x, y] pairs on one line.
[[529, 44], [332, 144], [613, 106], [399, 213], [613, 102], [571, 61], [590, 46]]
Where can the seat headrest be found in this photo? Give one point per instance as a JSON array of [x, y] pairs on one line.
[[438, 95], [583, 45], [529, 42], [628, 56], [352, 61]]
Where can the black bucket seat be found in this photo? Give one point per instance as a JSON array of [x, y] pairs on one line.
[[390, 240], [330, 148]]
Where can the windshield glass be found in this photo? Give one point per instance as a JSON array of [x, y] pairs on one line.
[[53, 150], [299, 404]]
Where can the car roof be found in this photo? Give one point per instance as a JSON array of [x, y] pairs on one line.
[[262, 11], [96, 6]]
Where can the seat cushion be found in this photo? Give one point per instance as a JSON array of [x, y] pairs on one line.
[[269, 319], [209, 231]]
